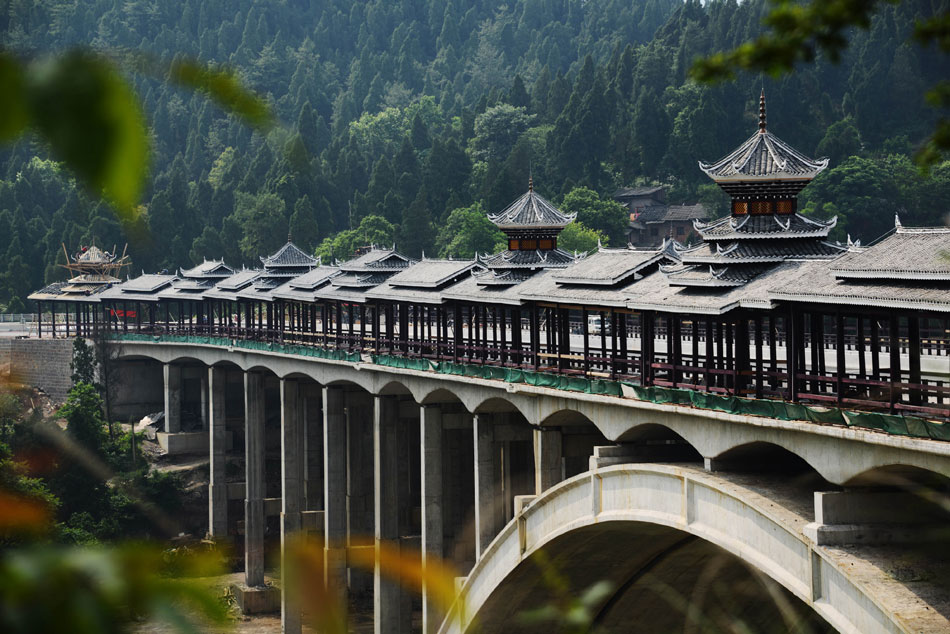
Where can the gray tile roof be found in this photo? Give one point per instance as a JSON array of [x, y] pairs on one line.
[[376, 260], [763, 156], [314, 278], [816, 282], [74, 290], [654, 292], [638, 192], [289, 255], [555, 258], [141, 288], [215, 269], [431, 273], [228, 288], [759, 251], [767, 226], [531, 211], [906, 254], [546, 287], [469, 289], [672, 213], [607, 267]]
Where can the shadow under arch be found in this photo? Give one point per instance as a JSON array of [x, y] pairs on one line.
[[901, 476], [660, 579], [395, 387], [771, 458], [498, 405], [657, 442], [657, 511]]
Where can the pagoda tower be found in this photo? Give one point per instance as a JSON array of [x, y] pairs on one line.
[[532, 225], [763, 177]]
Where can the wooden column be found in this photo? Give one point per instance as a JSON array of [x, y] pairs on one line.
[[840, 360], [895, 357], [793, 342], [913, 352]]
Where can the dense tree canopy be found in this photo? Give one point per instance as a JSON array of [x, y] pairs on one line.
[[395, 115]]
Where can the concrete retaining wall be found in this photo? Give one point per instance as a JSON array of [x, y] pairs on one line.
[[42, 363]]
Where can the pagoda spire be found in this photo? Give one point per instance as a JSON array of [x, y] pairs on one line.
[[762, 112]]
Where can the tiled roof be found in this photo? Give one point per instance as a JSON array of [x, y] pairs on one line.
[[431, 273], [556, 258], [314, 278], [143, 288], [816, 282], [531, 211], [759, 251], [654, 292], [712, 275], [764, 156], [210, 269], [767, 226], [376, 260], [289, 255], [638, 192], [239, 280], [906, 254], [607, 267], [672, 213]]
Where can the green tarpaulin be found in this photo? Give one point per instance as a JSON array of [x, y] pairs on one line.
[[781, 410]]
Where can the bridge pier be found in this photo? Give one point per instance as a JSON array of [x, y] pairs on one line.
[[292, 435], [388, 617], [217, 486], [484, 483], [172, 376], [360, 523], [334, 489], [430, 435], [547, 459], [254, 479]]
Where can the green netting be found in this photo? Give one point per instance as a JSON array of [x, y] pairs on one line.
[[403, 362], [781, 410]]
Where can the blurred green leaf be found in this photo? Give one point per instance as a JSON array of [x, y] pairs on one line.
[[94, 123], [225, 89], [14, 110]]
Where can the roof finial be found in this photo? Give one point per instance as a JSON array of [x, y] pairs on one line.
[[762, 112], [288, 236], [530, 183]]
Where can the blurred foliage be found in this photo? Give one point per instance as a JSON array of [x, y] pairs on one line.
[[801, 32], [105, 590], [567, 612], [89, 115]]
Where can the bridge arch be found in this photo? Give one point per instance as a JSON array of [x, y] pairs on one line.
[[658, 498]]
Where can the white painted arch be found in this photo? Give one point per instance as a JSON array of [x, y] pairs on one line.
[[761, 533]]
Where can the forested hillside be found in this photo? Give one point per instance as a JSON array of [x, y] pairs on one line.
[[406, 121]]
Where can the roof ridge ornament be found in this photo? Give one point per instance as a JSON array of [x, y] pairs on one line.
[[762, 111], [897, 221]]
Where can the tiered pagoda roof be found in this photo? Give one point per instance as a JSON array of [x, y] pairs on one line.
[[287, 263], [193, 283], [532, 225], [763, 177], [362, 273]]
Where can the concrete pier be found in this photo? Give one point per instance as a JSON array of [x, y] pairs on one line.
[[484, 482], [547, 459], [172, 375], [430, 436], [254, 479], [292, 433], [334, 488], [217, 486], [386, 593]]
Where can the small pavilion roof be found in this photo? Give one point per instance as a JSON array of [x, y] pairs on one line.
[[209, 269], [906, 254], [531, 211], [763, 156], [376, 260], [289, 255], [228, 288], [431, 273]]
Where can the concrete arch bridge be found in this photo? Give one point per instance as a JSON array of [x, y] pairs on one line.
[[483, 473]]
